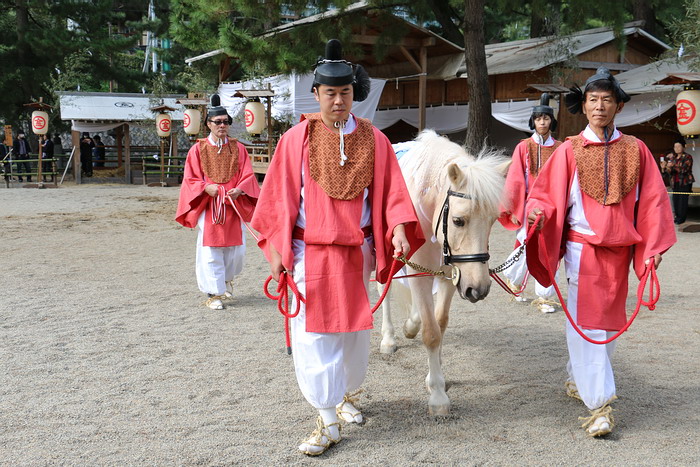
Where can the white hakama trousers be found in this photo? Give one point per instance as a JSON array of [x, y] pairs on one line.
[[517, 271], [589, 365], [328, 365], [214, 266]]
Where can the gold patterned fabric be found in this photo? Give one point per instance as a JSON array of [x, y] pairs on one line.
[[220, 167], [623, 168], [545, 153], [341, 182]]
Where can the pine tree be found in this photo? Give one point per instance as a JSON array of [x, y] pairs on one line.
[[46, 44]]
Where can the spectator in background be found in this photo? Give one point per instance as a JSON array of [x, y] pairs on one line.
[[5, 162], [86, 146], [98, 152], [47, 152], [679, 166], [21, 150], [58, 151]]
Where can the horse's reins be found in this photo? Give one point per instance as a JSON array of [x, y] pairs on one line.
[[654, 292]]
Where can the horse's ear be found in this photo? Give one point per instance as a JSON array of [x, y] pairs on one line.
[[455, 174], [503, 168]]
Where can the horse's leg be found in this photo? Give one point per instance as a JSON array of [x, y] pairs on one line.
[[442, 307], [438, 402], [412, 324], [388, 344]]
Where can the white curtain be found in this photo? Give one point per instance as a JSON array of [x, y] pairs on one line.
[[453, 118], [644, 107], [90, 127], [293, 97], [447, 119]]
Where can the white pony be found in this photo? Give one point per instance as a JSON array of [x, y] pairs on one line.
[[456, 197]]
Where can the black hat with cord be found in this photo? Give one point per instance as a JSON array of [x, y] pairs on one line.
[[543, 108], [332, 70], [217, 109], [574, 99]]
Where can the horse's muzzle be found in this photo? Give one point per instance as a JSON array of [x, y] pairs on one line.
[[474, 294]]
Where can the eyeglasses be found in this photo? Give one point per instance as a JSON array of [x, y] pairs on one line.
[[219, 122]]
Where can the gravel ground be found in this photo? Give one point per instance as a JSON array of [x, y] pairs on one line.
[[109, 358]]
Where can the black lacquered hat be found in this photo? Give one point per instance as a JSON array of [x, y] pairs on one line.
[[543, 108], [332, 70], [574, 99], [217, 109]]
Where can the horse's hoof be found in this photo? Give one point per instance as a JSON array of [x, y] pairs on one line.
[[410, 329], [388, 348], [439, 410]]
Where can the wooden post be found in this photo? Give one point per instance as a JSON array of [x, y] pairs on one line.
[[77, 173], [422, 87], [162, 162], [119, 135], [39, 181], [269, 128], [127, 154]]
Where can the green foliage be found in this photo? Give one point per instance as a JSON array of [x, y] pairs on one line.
[[686, 33], [57, 45]]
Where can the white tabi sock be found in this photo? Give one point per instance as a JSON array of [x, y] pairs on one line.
[[330, 419]]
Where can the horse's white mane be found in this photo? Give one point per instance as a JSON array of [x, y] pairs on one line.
[[483, 180]]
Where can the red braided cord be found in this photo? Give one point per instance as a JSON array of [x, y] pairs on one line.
[[283, 297], [218, 210], [283, 302], [651, 304], [252, 232]]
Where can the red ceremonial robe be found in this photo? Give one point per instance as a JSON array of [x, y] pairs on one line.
[[638, 227], [193, 200], [519, 182], [335, 293]]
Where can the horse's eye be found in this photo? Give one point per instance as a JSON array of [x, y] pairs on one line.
[[458, 221]]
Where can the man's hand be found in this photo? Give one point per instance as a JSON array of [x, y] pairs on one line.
[[532, 217], [657, 260], [235, 193], [212, 190], [400, 242], [276, 266]]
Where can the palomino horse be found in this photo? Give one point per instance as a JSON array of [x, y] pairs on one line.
[[457, 199]]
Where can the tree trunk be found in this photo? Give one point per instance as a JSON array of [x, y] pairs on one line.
[[443, 14], [23, 51], [641, 9], [479, 114]]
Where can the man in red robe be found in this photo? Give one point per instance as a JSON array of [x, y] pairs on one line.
[[333, 204], [602, 203], [217, 173], [529, 157]]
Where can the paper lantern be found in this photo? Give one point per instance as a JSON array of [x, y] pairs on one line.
[[40, 122], [254, 117], [163, 125], [687, 106], [191, 121]]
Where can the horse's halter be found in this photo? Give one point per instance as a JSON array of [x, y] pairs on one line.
[[447, 256]]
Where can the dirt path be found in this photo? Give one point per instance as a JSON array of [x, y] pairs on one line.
[[108, 358]]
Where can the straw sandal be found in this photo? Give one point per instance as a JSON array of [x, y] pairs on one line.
[[572, 390], [320, 439], [600, 422], [214, 302], [544, 305], [228, 295], [347, 411]]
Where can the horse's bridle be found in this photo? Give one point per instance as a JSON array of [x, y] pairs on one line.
[[447, 255]]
